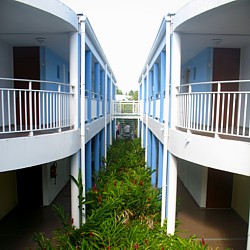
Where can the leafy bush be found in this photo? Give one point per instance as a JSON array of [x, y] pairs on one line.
[[123, 209]]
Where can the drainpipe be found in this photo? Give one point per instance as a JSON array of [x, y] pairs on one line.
[[147, 109], [105, 111], [82, 53], [166, 124]]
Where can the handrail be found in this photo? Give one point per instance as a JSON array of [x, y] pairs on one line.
[[211, 107], [31, 110]]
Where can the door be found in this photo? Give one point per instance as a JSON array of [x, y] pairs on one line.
[[219, 189], [226, 67], [29, 187], [26, 66]]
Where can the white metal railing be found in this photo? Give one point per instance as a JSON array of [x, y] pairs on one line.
[[32, 105], [221, 108], [127, 108]]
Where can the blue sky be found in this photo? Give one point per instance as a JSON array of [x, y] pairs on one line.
[[126, 31]]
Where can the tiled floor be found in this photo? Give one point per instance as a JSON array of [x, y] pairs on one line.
[[222, 228]]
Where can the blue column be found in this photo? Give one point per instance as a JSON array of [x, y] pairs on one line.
[[88, 80], [102, 142], [108, 135], [108, 96], [97, 152], [144, 135], [150, 91], [145, 95], [103, 91], [88, 165], [149, 161], [163, 83], [97, 85], [155, 81], [154, 159], [160, 164]]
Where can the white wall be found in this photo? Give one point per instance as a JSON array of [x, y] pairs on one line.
[[194, 178], [51, 186], [245, 75]]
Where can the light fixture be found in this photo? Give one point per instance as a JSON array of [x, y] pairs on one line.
[[216, 41], [41, 40]]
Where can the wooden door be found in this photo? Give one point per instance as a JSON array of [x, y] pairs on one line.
[[219, 189], [226, 67], [26, 66]]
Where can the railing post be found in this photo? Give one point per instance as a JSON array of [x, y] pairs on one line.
[[217, 110], [189, 107], [30, 109], [59, 108]]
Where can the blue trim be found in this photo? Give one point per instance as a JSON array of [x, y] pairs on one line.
[[163, 83], [97, 152], [88, 165], [155, 84], [97, 85], [154, 159], [88, 80], [160, 164]]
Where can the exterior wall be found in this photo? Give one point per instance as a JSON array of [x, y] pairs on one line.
[[194, 178], [8, 192], [200, 67], [241, 196], [51, 186]]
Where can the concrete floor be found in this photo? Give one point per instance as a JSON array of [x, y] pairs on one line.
[[220, 228]]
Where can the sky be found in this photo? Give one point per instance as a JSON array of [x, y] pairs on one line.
[[126, 30]]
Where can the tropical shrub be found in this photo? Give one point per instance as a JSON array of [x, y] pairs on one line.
[[123, 209]]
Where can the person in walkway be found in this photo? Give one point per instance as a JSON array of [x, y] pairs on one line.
[[118, 130]]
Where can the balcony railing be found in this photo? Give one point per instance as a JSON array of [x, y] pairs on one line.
[[126, 108], [220, 108], [33, 106]]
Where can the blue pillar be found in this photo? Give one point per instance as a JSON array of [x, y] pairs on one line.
[[150, 91], [108, 135], [155, 80], [108, 96], [163, 83], [154, 159], [145, 96], [160, 164], [88, 165], [97, 85], [97, 152], [144, 135], [102, 142], [88, 80], [103, 91], [149, 161]]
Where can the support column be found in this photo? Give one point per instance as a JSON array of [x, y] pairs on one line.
[[88, 80], [74, 80], [88, 164], [102, 143], [97, 86], [160, 164], [147, 113], [154, 159], [150, 93], [163, 82], [171, 194], [102, 91], [82, 105], [149, 146], [97, 152], [105, 110], [155, 90]]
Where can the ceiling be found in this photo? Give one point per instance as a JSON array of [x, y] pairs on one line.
[[22, 25], [227, 26]]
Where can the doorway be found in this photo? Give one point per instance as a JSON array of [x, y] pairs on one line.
[[26, 66]]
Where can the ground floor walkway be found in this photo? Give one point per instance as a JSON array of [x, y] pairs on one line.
[[222, 228]]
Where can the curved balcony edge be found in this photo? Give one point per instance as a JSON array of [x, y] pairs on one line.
[[222, 154], [22, 152]]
